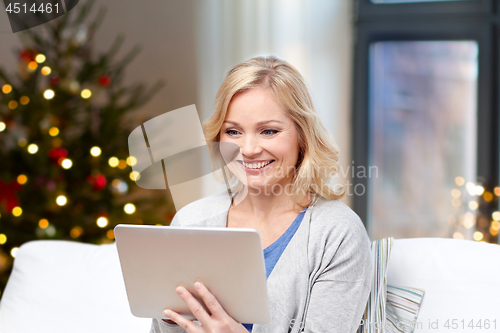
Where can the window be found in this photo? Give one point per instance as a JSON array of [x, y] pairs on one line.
[[426, 117]]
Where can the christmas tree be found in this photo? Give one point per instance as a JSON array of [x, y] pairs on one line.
[[65, 171]]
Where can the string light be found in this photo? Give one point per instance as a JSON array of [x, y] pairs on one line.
[[12, 105], [50, 231], [458, 235], [76, 232], [86, 93], [459, 181], [32, 148], [95, 151], [134, 175], [131, 161], [32, 65], [496, 216], [7, 88], [22, 179], [479, 190], [102, 222], [119, 185], [3, 239], [122, 164], [129, 208], [110, 234], [46, 70], [478, 235], [455, 193], [2, 126], [497, 191], [49, 94], [13, 252], [113, 162], [471, 188], [24, 100], [17, 211], [40, 58], [488, 196], [61, 200], [495, 225], [54, 131], [43, 223], [473, 205], [22, 142], [67, 163]]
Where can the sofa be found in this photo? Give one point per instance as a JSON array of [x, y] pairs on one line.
[[63, 286]]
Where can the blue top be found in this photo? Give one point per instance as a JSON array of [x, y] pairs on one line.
[[273, 252]]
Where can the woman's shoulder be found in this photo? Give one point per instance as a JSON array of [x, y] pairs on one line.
[[201, 210], [334, 217]]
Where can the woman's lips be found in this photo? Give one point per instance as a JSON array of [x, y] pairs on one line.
[[256, 171]]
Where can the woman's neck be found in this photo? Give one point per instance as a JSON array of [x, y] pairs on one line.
[[262, 204]]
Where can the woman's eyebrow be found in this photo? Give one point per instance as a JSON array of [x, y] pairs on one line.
[[258, 124]]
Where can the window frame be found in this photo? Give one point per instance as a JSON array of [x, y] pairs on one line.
[[381, 25]]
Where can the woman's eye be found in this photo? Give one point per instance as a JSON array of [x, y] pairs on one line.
[[232, 132], [269, 132]]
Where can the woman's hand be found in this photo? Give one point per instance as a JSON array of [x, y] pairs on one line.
[[218, 322]]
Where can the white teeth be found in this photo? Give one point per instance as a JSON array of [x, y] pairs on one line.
[[256, 165]]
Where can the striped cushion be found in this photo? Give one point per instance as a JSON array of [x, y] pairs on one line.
[[400, 312], [402, 308]]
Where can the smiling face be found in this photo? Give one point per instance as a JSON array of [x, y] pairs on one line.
[[267, 137]]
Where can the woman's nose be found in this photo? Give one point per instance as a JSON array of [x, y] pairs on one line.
[[251, 146]]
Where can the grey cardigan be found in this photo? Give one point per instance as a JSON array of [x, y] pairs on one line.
[[321, 282]]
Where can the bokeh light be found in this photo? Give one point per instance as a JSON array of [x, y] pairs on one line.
[[49, 94], [134, 175], [22, 142], [131, 161], [113, 162], [22, 179], [32, 65], [7, 88], [129, 208], [46, 70], [17, 211], [86, 93], [12, 105], [32, 148], [24, 100], [54, 131], [95, 151], [102, 222], [40, 58], [43, 223], [76, 232], [13, 252], [61, 200], [67, 163]]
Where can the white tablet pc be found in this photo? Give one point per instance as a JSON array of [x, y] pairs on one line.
[[229, 261]]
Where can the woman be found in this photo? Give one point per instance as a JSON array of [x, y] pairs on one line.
[[316, 249]]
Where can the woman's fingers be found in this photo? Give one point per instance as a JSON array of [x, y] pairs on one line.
[[186, 324], [195, 306], [210, 301]]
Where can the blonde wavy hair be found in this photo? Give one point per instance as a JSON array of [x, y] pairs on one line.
[[318, 152]]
